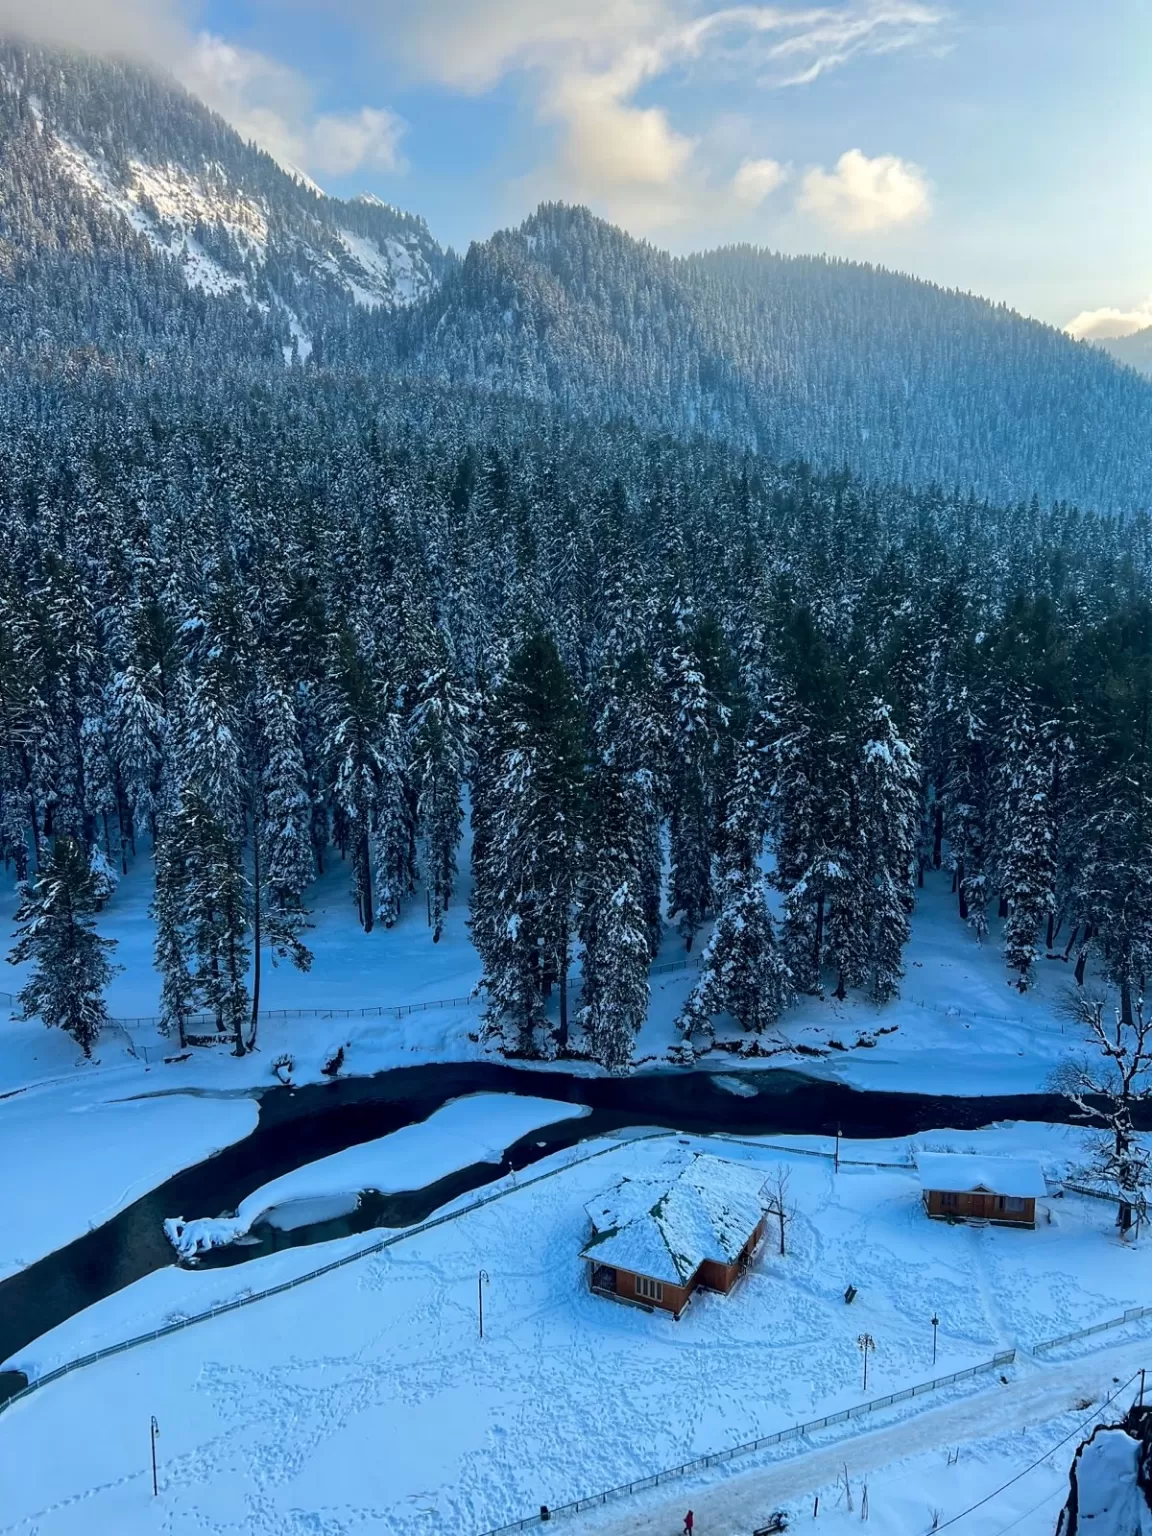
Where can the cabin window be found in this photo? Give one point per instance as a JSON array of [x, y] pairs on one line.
[[949, 1198], [1014, 1204], [652, 1290]]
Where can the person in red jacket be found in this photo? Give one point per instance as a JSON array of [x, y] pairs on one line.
[[689, 1523]]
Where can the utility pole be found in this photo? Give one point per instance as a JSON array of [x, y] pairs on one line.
[[481, 1281], [155, 1430], [935, 1325], [837, 1152], [866, 1344]]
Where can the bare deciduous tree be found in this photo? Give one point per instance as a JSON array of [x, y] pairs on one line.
[[1106, 1092], [774, 1193]]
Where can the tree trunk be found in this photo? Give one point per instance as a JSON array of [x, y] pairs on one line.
[[234, 981], [35, 833], [937, 835], [256, 962], [1002, 911], [562, 1037], [1126, 1002], [366, 913], [818, 946], [961, 893]]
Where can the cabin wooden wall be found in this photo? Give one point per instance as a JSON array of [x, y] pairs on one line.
[[966, 1207]]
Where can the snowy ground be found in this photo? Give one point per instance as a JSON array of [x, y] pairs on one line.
[[83, 1152], [958, 1016], [71, 1162], [367, 1398], [994, 1462]]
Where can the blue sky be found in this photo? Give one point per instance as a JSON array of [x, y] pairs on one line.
[[1002, 146]]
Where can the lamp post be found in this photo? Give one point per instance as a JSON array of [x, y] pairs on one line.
[[866, 1344], [154, 1430], [481, 1281], [935, 1325]]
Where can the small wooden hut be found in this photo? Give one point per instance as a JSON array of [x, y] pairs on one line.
[[658, 1238], [961, 1186]]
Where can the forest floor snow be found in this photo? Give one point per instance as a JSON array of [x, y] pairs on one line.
[[367, 1397]]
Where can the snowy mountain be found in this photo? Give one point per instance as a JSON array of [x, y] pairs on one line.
[[136, 225], [101, 157], [798, 357]]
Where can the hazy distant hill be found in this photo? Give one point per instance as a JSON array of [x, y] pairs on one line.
[[1135, 351]]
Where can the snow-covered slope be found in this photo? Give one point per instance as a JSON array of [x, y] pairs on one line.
[[97, 156]]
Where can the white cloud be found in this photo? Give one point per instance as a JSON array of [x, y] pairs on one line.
[[266, 101], [262, 98], [1109, 324], [583, 64], [145, 29], [863, 195], [756, 180]]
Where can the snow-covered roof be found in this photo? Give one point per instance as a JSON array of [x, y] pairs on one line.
[[665, 1224], [965, 1173]]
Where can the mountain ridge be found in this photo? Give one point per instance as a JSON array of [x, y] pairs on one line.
[[136, 223]]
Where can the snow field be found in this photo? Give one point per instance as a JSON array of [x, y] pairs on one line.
[[958, 1023], [368, 1397], [1009, 1444], [72, 1162]]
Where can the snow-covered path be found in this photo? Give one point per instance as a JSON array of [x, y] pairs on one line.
[[736, 1499]]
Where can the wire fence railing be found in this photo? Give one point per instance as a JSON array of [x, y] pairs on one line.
[[379, 1246], [762, 1443], [1133, 1315], [206, 1023]]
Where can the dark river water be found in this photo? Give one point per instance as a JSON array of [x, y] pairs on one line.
[[296, 1126]]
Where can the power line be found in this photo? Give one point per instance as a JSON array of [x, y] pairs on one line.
[[1074, 1431]]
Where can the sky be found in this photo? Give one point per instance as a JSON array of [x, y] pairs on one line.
[[999, 146]]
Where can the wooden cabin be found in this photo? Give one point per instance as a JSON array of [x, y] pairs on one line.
[[960, 1186], [658, 1238]]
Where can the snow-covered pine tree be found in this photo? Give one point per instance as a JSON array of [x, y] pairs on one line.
[[217, 921], [357, 765], [526, 854], [170, 914], [890, 814], [742, 972], [439, 735], [1026, 872], [965, 811], [283, 864], [56, 935], [136, 727], [631, 742], [612, 924], [698, 721]]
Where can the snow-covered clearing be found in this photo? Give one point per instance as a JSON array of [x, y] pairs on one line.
[[478, 1129], [367, 1397], [958, 1022], [71, 1161]]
